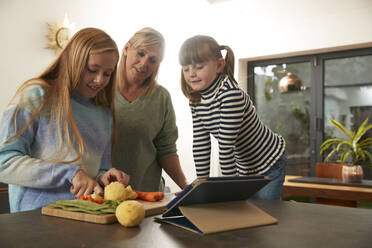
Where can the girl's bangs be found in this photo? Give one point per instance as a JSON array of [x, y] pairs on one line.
[[194, 53]]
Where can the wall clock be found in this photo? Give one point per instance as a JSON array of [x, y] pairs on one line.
[[59, 34]]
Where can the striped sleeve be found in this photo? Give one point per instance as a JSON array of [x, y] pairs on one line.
[[201, 147], [231, 117]]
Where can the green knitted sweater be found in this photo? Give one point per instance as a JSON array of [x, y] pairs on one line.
[[146, 133]]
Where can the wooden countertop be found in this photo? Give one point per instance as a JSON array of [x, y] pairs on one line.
[[326, 190], [300, 225]]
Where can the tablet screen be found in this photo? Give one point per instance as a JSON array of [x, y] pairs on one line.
[[216, 189]]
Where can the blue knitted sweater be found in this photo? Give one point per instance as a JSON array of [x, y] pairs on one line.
[[24, 163]]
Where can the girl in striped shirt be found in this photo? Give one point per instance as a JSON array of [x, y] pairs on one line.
[[220, 108]]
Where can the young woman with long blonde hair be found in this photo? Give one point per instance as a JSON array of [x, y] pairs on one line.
[[56, 132]]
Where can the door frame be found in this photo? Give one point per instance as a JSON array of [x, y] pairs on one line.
[[317, 61]]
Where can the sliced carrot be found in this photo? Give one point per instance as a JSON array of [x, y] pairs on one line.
[[82, 197], [150, 196], [90, 198]]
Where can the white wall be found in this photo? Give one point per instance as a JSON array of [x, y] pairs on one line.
[[251, 27]]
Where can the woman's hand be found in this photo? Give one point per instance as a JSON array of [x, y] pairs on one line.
[[82, 184], [113, 175]]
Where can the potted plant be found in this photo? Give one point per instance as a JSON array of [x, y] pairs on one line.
[[351, 150]]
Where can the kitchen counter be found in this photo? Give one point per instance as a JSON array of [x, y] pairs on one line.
[[300, 225], [345, 195]]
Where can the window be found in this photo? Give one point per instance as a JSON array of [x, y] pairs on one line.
[[295, 96]]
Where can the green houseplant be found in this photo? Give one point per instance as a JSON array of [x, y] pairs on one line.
[[351, 150]]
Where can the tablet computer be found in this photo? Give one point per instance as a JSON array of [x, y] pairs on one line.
[[216, 189]]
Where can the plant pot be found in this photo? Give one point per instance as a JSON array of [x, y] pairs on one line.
[[352, 174], [328, 170]]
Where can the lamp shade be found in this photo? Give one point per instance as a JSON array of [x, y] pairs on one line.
[[290, 82]]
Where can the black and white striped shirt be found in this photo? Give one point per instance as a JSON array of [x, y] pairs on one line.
[[246, 145]]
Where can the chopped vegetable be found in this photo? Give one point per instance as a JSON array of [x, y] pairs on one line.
[[86, 206], [96, 197], [115, 191], [93, 198], [131, 194], [150, 196]]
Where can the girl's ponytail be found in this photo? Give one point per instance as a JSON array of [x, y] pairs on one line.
[[230, 62]]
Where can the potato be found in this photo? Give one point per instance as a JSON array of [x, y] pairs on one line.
[[130, 213], [131, 194], [115, 191]]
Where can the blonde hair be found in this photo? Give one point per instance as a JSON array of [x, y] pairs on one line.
[[198, 49], [61, 78], [146, 37]]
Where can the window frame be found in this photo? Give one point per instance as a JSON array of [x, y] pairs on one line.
[[317, 62]]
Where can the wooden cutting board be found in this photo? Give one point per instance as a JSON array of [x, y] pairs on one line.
[[151, 208]]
